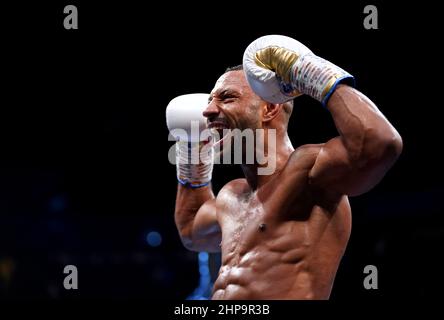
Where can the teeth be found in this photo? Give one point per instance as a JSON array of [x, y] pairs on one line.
[[218, 127], [218, 131]]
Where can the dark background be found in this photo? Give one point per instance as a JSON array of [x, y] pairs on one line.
[[84, 172]]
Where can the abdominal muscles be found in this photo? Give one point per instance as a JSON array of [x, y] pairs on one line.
[[262, 274]]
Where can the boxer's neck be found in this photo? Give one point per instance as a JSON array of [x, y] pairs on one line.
[[278, 152]]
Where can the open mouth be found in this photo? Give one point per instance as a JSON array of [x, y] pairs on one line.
[[218, 129]]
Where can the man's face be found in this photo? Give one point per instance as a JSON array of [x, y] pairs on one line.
[[232, 104]]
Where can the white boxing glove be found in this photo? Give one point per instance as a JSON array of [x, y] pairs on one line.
[[279, 68], [194, 152]]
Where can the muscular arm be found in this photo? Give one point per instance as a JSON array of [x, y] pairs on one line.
[[366, 148], [196, 220]]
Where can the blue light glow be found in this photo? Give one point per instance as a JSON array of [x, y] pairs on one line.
[[204, 271], [154, 239], [203, 257]]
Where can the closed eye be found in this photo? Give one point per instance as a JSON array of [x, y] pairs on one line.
[[228, 97]]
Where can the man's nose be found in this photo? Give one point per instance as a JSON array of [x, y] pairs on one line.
[[211, 110]]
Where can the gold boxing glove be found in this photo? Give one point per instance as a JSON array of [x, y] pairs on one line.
[[279, 68]]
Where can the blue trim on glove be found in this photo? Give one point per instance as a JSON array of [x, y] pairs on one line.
[[333, 88], [188, 184]]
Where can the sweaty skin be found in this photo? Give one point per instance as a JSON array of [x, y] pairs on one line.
[[282, 236]]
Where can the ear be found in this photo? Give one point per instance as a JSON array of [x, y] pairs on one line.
[[270, 111]]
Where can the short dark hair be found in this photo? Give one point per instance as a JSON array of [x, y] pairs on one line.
[[288, 106], [235, 68]]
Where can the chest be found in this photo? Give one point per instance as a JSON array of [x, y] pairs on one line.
[[245, 223], [263, 222]]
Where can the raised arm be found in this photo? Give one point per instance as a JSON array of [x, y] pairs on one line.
[[279, 68], [195, 212], [366, 148], [196, 219]]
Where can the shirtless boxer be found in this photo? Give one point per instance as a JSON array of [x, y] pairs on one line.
[[282, 236]]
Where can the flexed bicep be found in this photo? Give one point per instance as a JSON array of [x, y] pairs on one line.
[[367, 147], [334, 171]]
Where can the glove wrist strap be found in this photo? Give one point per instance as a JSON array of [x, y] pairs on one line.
[[317, 77], [194, 163]]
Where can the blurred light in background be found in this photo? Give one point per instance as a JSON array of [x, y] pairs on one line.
[[203, 291], [154, 239], [57, 203], [203, 257], [204, 271]]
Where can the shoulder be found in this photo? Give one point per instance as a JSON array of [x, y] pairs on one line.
[[295, 173], [294, 176], [304, 156], [227, 198], [236, 186]]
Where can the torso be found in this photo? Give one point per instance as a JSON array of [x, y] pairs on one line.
[[282, 241]]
